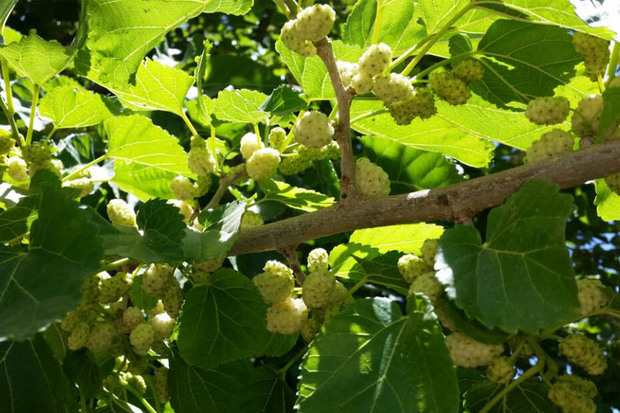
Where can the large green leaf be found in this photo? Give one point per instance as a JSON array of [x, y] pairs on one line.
[[524, 60], [14, 221], [223, 321], [406, 238], [82, 369], [36, 59], [293, 197], [371, 358], [221, 231], [135, 140], [32, 379], [607, 202], [41, 286], [157, 87], [69, 107], [240, 106], [527, 397], [410, 169], [283, 101], [122, 32], [437, 134], [266, 392], [311, 72], [521, 278], [397, 27]]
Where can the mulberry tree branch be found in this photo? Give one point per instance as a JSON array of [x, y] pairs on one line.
[[342, 133], [454, 203]]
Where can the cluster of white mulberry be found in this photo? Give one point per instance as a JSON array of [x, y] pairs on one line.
[[311, 25], [202, 162], [321, 296], [594, 51]]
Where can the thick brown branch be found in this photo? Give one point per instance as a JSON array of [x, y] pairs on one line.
[[343, 128], [453, 203]]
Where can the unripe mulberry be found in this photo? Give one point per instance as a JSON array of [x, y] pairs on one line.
[[318, 260], [113, 288], [84, 185], [53, 165], [263, 164], [428, 285], [293, 164], [347, 70], [613, 182], [141, 338], [201, 161], [468, 70], [309, 329], [584, 352], [551, 144], [6, 144], [573, 394], [120, 213], [37, 153], [249, 144], [173, 297], [155, 279], [163, 326], [547, 110], [210, 265], [429, 250], [276, 137], [592, 296], [294, 40], [70, 321], [251, 219], [362, 83], [594, 51], [371, 179], [161, 385], [136, 381], [184, 207], [376, 59], [132, 316], [392, 88], [286, 317], [411, 267], [101, 337], [17, 169], [449, 88], [315, 22], [312, 154], [182, 188], [467, 352], [420, 105], [276, 283], [500, 370], [313, 129], [79, 336], [587, 116], [318, 288]]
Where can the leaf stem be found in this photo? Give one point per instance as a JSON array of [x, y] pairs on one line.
[[136, 393], [33, 112], [8, 108], [84, 167], [297, 356], [431, 42], [189, 124], [613, 62], [115, 264], [358, 285], [52, 132], [225, 182], [376, 28], [526, 375]]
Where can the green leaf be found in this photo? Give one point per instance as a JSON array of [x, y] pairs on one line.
[[521, 278], [527, 397], [383, 270], [223, 321], [193, 389], [240, 106], [611, 112], [139, 298], [222, 230], [69, 107], [122, 32], [5, 9], [266, 393], [397, 27], [143, 181], [293, 197], [524, 60], [311, 73], [157, 87], [437, 134], [36, 59], [41, 286], [406, 238], [82, 370], [473, 328], [283, 101], [344, 259], [14, 221], [607, 202], [372, 358], [32, 379], [410, 169], [142, 147]]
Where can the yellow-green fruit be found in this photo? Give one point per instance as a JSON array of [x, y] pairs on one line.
[[315, 22], [263, 164], [293, 164], [79, 336], [376, 59], [309, 329], [587, 116], [141, 338], [584, 352], [318, 288], [449, 88], [370, 179], [467, 352], [84, 185], [161, 385], [53, 165], [132, 316], [183, 188], [201, 161], [136, 381], [392, 88], [185, 208], [547, 110], [573, 394], [428, 285], [163, 325], [113, 288], [70, 321], [500, 370], [120, 213], [429, 250], [292, 38], [101, 337], [250, 143], [210, 265], [155, 279], [275, 286], [286, 317], [594, 51], [411, 267], [592, 296], [251, 219], [37, 153], [468, 70], [551, 144], [6, 144], [173, 297], [17, 169], [313, 129], [318, 260], [276, 137]]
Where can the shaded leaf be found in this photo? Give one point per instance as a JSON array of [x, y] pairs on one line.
[[383, 270], [283, 101], [524, 398]]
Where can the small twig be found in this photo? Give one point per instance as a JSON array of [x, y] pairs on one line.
[[225, 182], [293, 261], [343, 128]]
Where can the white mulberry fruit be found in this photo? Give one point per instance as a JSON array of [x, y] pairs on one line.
[[468, 70], [120, 213], [584, 352], [411, 267], [313, 129], [276, 283], [201, 161], [392, 88], [251, 219], [182, 188], [547, 110], [592, 296], [163, 325], [375, 60], [587, 116], [141, 338], [315, 22], [318, 288], [263, 164], [318, 260], [286, 317], [428, 285], [17, 169], [500, 370], [551, 144], [450, 88], [467, 352], [371, 179], [249, 144], [594, 51], [294, 40]]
